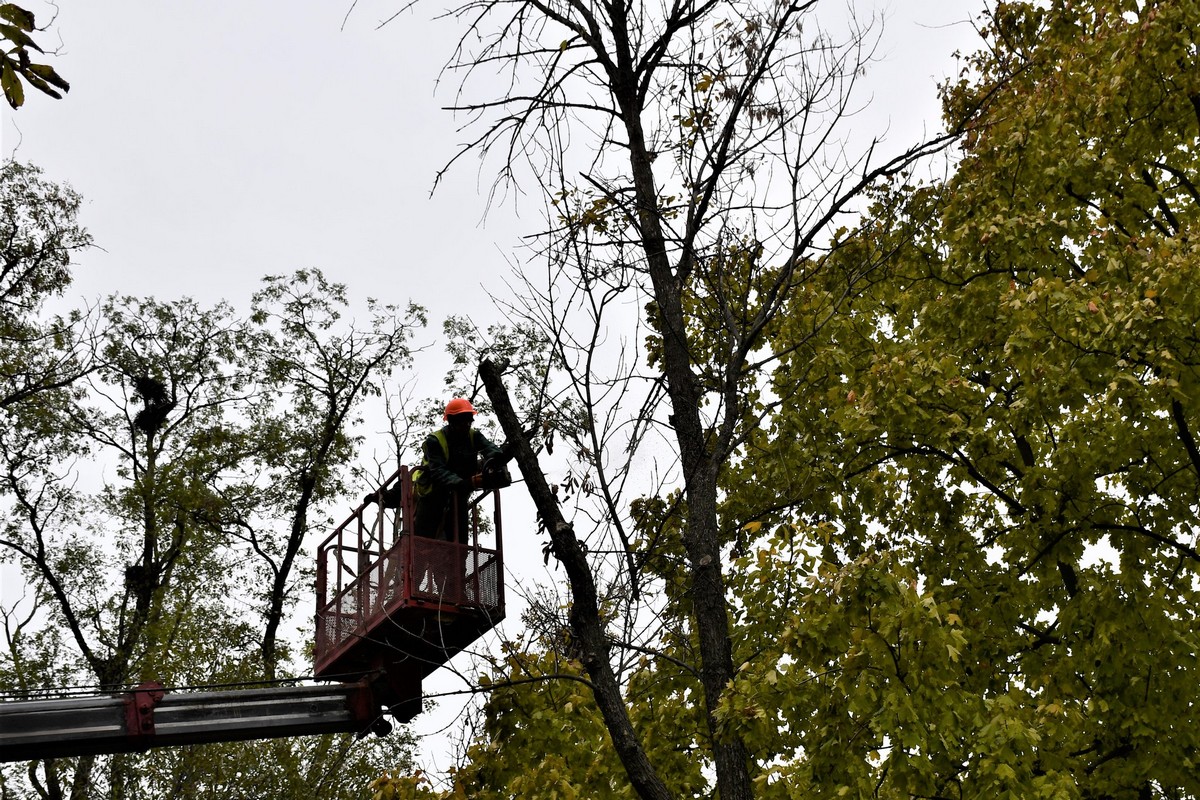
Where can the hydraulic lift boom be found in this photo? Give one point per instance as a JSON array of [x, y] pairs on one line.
[[149, 716], [392, 608]]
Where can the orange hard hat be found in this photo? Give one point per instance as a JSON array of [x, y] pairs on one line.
[[459, 405]]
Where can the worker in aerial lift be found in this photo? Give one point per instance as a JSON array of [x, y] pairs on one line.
[[456, 462]]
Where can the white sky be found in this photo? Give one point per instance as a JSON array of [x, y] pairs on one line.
[[218, 141]]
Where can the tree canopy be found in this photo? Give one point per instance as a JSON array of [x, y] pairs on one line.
[[956, 520], [158, 480]]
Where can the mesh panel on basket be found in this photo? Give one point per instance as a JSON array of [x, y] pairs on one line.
[[337, 628], [489, 589], [393, 577], [341, 619], [346, 602], [437, 570], [481, 580]]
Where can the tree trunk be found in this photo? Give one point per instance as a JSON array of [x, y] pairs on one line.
[[701, 533]]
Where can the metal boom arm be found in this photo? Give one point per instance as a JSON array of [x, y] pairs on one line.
[[149, 716]]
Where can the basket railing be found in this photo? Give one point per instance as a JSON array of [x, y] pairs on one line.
[[372, 566]]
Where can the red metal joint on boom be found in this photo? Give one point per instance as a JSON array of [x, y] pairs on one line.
[[139, 711]]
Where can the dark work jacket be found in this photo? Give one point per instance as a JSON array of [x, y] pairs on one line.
[[465, 460]]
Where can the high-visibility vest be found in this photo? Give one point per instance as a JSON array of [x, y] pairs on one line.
[[421, 483]]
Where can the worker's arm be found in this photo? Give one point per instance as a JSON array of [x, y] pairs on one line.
[[484, 446], [493, 474]]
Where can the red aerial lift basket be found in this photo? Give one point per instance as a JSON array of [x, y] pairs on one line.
[[396, 605]]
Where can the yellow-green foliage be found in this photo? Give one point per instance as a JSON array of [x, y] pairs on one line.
[[963, 558]]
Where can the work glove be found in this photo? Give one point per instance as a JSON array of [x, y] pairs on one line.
[[391, 498]]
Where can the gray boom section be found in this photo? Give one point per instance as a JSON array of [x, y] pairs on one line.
[[152, 717]]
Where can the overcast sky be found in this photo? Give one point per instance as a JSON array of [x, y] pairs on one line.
[[218, 141]]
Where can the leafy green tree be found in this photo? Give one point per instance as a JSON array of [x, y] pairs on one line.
[[960, 546], [333, 767], [40, 236], [160, 407], [990, 466], [147, 497], [693, 156]]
